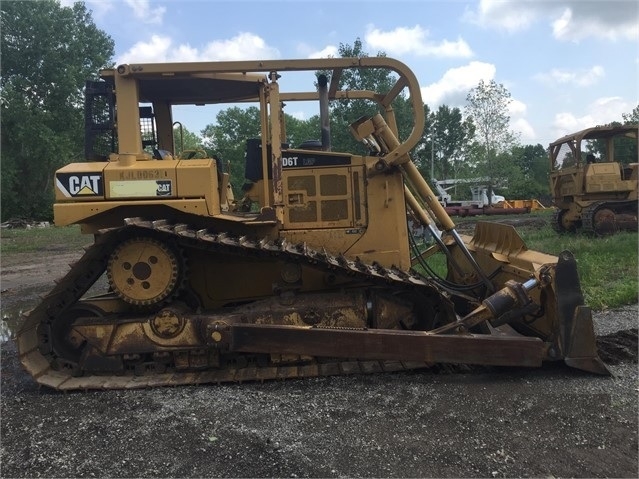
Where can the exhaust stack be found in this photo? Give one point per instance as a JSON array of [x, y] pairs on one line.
[[322, 81]]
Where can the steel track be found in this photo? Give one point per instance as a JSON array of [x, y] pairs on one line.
[[588, 214], [35, 337]]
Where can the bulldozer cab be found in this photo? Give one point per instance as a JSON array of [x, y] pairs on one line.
[[132, 115], [293, 189], [595, 146]]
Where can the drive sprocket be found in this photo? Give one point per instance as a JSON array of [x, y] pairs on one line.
[[144, 271]]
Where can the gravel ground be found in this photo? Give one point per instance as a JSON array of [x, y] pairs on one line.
[[492, 422]]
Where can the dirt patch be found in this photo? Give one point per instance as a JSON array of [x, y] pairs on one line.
[[27, 270], [488, 422], [618, 347], [466, 225]]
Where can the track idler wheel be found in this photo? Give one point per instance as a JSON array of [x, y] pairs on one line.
[[562, 223], [144, 271]]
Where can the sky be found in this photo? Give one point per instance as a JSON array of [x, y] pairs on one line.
[[568, 64]]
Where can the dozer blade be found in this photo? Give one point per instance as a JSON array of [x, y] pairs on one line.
[[575, 320], [562, 320]]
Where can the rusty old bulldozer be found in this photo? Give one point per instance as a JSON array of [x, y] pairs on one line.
[[595, 193], [309, 271]]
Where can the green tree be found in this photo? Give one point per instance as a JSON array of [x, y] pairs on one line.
[[632, 117], [487, 108], [185, 139], [449, 138], [48, 51], [299, 131], [226, 139], [423, 153], [625, 149], [532, 163]]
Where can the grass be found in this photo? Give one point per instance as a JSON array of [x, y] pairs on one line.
[[608, 267], [37, 239]]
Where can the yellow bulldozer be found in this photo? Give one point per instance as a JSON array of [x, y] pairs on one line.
[[311, 271], [594, 180]]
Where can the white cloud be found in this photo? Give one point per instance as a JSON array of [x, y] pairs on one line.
[[455, 84], [244, 46], [525, 130], [154, 51], [516, 107], [601, 111], [329, 51], [415, 40], [143, 11], [570, 20], [185, 53], [517, 111], [583, 77], [510, 16]]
